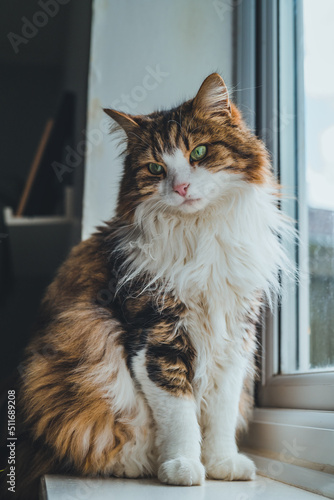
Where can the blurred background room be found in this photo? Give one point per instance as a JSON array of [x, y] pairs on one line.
[[44, 55]]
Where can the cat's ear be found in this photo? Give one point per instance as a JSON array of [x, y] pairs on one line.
[[128, 123], [213, 97]]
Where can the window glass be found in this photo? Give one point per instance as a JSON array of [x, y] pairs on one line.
[[319, 162]]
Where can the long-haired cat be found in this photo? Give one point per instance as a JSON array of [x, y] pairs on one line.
[[143, 352]]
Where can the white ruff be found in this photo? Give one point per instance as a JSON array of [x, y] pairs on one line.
[[226, 252], [217, 262]]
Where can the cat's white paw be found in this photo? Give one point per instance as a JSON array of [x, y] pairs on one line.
[[182, 471], [236, 467]]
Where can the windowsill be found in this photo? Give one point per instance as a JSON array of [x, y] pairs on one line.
[[294, 447], [299, 437], [262, 488], [312, 480]]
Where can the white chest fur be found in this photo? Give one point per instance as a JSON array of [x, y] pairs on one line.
[[218, 343], [215, 262], [226, 252]]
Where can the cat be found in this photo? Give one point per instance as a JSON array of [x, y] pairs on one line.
[[143, 356]]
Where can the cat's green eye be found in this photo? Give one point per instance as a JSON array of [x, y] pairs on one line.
[[198, 153], [155, 168]]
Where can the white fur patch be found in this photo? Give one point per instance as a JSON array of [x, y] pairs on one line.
[[203, 185], [228, 251], [178, 167]]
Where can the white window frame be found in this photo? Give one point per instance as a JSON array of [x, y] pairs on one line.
[[293, 412]]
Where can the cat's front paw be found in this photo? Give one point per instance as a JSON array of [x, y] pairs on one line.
[[236, 467], [182, 471]]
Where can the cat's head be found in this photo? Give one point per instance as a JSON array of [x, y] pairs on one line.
[[189, 157]]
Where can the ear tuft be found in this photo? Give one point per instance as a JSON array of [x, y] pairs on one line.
[[128, 122], [213, 97]]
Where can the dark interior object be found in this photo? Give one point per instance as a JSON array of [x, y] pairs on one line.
[[47, 193]]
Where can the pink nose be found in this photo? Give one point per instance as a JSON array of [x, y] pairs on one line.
[[181, 189]]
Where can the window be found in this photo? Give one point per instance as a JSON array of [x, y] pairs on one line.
[[314, 185], [284, 62], [298, 340], [319, 170]]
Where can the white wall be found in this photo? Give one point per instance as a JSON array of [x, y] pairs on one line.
[[185, 39]]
